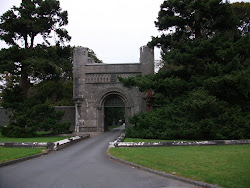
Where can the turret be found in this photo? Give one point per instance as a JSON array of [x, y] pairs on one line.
[[147, 59], [80, 59]]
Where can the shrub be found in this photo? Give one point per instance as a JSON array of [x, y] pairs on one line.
[[197, 116], [15, 131], [30, 115]]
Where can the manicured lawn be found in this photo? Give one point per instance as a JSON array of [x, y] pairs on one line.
[[226, 166], [7, 154], [34, 139]]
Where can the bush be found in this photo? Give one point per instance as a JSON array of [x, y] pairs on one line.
[[197, 116], [30, 115], [19, 132]]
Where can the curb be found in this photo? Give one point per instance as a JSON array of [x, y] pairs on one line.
[[24, 144], [198, 183], [118, 143], [55, 146], [23, 159]]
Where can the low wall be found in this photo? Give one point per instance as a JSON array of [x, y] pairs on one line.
[[69, 115]]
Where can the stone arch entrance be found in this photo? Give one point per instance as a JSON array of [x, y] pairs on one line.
[[95, 83], [113, 97]]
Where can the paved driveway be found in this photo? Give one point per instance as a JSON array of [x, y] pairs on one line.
[[82, 165]]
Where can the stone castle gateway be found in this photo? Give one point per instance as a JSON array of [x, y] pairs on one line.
[[96, 86]]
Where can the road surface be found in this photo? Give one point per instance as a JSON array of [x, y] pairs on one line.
[[82, 165]]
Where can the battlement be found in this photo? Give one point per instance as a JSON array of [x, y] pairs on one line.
[[81, 56]]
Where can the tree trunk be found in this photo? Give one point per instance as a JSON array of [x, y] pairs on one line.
[[24, 82]]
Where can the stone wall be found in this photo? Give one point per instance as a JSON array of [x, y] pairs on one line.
[[69, 115]]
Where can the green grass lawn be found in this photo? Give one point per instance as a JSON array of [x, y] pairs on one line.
[[226, 166], [7, 154], [34, 139]]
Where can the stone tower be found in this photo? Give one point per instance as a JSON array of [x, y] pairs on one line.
[[94, 83]]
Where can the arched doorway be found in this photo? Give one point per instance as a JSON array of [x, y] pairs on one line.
[[114, 97], [114, 111]]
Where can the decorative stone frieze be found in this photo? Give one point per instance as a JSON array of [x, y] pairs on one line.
[[107, 77]]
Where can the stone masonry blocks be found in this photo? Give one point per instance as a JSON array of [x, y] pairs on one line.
[[95, 82]]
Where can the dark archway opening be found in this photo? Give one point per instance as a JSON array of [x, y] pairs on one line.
[[114, 112]]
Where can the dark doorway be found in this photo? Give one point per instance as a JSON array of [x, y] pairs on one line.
[[114, 111]]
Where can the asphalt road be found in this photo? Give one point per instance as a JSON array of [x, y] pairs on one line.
[[82, 165]]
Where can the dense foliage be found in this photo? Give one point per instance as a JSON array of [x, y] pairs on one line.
[[54, 92], [36, 76], [29, 115], [202, 91], [19, 27], [42, 63], [26, 63]]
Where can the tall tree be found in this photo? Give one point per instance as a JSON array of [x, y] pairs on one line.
[[189, 19], [27, 62], [203, 88], [20, 26]]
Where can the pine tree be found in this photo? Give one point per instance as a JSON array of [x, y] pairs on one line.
[[20, 26], [28, 63], [204, 86]]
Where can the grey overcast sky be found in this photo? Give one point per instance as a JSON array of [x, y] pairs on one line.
[[114, 29]]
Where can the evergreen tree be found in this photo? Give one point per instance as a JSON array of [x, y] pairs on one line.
[[20, 26], [27, 63], [47, 68], [204, 86]]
